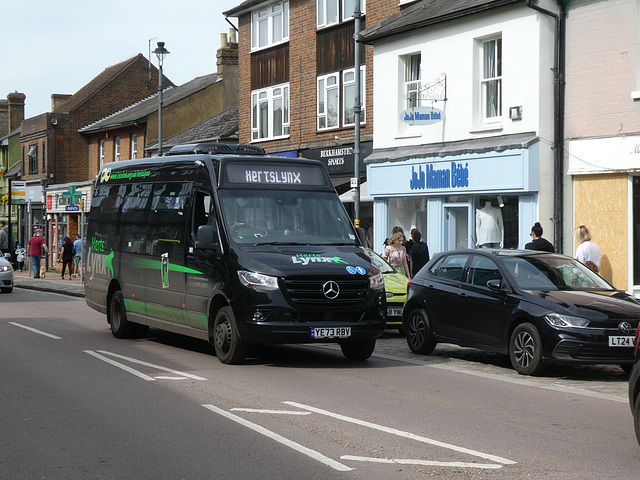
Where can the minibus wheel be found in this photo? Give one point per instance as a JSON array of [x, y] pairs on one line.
[[358, 350], [230, 349], [120, 326]]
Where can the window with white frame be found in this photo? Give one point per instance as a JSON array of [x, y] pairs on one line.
[[116, 149], [33, 159], [491, 83], [270, 25], [336, 99], [270, 113], [101, 154], [331, 12], [134, 145], [412, 80]]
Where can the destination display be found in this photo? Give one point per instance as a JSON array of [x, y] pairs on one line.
[[275, 174]]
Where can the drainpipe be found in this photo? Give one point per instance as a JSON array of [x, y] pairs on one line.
[[558, 112]]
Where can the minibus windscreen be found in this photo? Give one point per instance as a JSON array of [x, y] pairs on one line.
[[286, 217]]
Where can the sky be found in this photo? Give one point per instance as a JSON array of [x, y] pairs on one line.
[[58, 47]]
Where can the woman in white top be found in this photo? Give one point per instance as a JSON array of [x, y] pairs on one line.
[[587, 251]]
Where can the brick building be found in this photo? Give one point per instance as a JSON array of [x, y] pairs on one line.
[[54, 152], [297, 78]]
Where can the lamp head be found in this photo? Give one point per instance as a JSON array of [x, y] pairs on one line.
[[161, 52]]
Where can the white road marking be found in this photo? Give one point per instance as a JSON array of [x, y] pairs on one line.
[[158, 367], [400, 433], [121, 366], [39, 332], [404, 461], [275, 412], [279, 438]]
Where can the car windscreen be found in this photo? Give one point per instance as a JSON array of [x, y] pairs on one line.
[[380, 262], [547, 272], [288, 217]]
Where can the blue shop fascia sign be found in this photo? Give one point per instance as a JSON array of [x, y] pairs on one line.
[[428, 177]]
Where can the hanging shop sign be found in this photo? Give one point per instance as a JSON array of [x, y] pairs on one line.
[[421, 116]]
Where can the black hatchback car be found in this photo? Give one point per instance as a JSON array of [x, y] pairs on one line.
[[536, 307]]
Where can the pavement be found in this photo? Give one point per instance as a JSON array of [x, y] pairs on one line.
[[51, 283]]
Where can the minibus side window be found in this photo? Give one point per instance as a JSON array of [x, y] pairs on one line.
[[203, 211], [133, 201], [167, 221]]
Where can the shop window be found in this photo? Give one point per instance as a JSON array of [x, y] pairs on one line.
[[496, 221], [408, 213]]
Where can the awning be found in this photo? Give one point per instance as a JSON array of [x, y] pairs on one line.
[[435, 150], [350, 195]]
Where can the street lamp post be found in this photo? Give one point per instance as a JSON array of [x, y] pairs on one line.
[[160, 52]]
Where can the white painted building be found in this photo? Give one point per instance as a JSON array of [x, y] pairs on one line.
[[464, 115]]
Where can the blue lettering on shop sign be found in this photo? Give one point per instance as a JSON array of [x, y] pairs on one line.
[[432, 178]]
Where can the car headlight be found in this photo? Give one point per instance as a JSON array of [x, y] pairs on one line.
[[376, 282], [5, 268], [257, 280], [557, 320]]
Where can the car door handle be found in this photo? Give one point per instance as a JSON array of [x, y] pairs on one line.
[[462, 295]]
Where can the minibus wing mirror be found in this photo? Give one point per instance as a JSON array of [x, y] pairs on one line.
[[206, 238], [362, 236]]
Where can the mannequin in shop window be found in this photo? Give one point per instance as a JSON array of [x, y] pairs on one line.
[[489, 227]]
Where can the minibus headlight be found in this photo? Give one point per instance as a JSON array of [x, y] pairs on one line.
[[257, 280], [376, 282]]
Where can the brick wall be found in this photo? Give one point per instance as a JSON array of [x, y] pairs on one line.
[[303, 78]]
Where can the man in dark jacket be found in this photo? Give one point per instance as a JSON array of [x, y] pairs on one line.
[[419, 251], [539, 243]]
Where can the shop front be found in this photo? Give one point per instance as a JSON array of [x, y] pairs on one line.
[[457, 197], [606, 198], [67, 206]]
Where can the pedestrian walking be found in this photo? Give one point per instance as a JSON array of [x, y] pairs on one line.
[[587, 251], [396, 255], [66, 256], [35, 247], [77, 254], [20, 252], [539, 243], [419, 252]]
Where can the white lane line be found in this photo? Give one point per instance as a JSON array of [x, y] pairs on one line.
[[405, 461], [158, 367], [120, 365], [400, 433], [279, 438], [275, 412], [39, 332]]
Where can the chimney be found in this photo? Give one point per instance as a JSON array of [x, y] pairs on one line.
[[16, 109], [227, 55], [58, 99], [4, 117]]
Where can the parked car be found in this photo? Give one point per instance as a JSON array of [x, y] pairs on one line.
[[6, 274], [395, 285], [634, 387], [536, 307]]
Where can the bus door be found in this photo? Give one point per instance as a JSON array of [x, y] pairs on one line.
[[204, 267], [166, 235]]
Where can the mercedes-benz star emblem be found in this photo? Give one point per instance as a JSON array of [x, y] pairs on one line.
[[625, 327], [331, 290]]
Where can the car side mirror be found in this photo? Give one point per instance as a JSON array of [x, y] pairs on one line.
[[496, 285], [362, 236], [206, 238], [7, 256]]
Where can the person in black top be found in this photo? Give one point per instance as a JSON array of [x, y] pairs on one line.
[[419, 251], [539, 243]]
